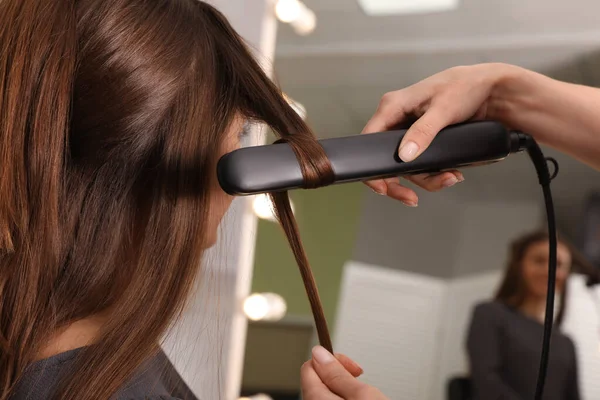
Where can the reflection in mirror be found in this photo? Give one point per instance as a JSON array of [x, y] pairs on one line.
[[436, 300]]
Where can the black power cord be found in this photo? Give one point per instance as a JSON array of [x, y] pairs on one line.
[[541, 166]]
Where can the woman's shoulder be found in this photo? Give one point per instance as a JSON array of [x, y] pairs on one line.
[[156, 380], [491, 313], [157, 397], [565, 339], [491, 308]]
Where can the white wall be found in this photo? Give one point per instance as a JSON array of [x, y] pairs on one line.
[[388, 322], [408, 331], [207, 344], [582, 324]]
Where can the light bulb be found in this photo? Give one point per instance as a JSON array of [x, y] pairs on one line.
[[295, 13], [265, 307], [288, 10], [395, 7], [306, 23], [263, 207], [256, 307]]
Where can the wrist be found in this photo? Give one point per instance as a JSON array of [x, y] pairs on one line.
[[510, 93]]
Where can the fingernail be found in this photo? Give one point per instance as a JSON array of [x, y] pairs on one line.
[[379, 193], [354, 363], [450, 182], [358, 367], [408, 151], [410, 203], [321, 355], [460, 178]]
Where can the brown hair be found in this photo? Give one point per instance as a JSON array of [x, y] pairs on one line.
[[112, 114], [512, 289]]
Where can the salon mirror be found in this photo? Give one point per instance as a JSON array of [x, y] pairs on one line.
[[399, 284]]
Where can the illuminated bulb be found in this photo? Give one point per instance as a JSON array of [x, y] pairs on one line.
[[263, 207], [396, 7], [265, 307], [306, 24], [288, 10], [295, 13], [256, 307]]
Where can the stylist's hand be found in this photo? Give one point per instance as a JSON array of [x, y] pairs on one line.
[[326, 377], [452, 96]]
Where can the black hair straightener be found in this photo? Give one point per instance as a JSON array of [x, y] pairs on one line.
[[274, 167], [271, 168]]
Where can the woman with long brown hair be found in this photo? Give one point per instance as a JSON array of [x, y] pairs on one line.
[[504, 336], [113, 114]]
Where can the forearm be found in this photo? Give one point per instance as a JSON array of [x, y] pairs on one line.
[[561, 115]]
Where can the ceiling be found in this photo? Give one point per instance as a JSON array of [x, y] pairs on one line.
[[340, 71]]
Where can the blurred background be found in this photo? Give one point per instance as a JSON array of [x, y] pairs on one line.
[[399, 284]]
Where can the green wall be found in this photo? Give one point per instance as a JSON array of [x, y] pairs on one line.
[[328, 220]]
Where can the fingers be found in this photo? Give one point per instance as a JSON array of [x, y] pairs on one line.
[[351, 366], [421, 133], [396, 191], [431, 182], [333, 374], [437, 182], [378, 186], [312, 386]]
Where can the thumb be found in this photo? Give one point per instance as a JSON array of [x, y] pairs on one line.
[[334, 375]]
